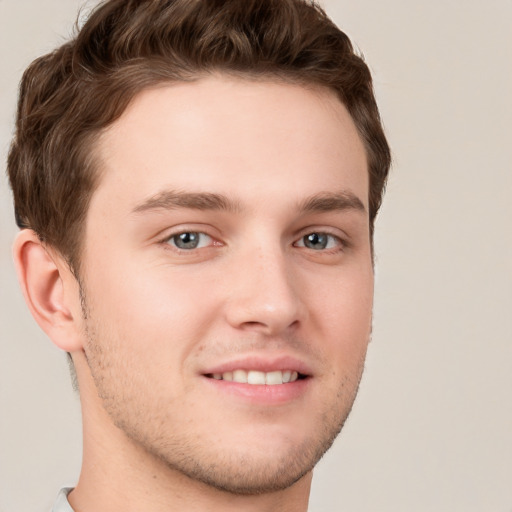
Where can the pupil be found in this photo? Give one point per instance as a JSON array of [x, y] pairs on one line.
[[315, 241]]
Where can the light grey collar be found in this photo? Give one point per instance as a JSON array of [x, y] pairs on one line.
[[62, 503]]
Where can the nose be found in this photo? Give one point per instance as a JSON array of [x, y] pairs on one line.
[[263, 295]]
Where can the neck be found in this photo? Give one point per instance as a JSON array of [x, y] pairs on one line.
[[118, 474]]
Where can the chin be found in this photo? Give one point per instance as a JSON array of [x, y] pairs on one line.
[[274, 467], [249, 476]]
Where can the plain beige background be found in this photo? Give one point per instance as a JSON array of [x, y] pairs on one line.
[[432, 427]]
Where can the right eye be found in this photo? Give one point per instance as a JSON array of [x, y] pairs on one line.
[[190, 240]]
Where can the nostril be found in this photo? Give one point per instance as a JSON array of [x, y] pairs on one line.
[[250, 325]]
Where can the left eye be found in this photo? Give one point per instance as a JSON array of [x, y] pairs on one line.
[[319, 241], [190, 240]]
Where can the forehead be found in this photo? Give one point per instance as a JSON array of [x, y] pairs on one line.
[[232, 136]]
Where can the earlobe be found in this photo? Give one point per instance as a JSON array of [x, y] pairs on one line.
[[43, 278]]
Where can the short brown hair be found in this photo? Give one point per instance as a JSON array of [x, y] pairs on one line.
[[69, 96]]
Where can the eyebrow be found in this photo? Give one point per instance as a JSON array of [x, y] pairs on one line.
[[332, 201], [170, 199]]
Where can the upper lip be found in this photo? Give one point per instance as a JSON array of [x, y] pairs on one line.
[[261, 363]]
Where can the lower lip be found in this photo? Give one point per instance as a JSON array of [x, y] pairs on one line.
[[262, 394]]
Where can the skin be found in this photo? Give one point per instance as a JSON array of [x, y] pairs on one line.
[[282, 162]]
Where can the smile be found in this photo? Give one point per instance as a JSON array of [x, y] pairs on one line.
[[258, 378]]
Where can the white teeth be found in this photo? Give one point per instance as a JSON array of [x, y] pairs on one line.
[[258, 378], [254, 377], [240, 376], [273, 378]]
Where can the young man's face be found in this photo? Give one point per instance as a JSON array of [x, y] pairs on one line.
[[228, 241]]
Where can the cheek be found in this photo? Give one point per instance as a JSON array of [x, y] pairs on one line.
[[345, 316], [150, 306]]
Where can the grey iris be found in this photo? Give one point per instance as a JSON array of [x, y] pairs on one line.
[[186, 240], [316, 241]]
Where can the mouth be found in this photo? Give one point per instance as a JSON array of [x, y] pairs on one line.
[[259, 378]]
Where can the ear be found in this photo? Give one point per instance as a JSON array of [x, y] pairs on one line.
[[50, 290]]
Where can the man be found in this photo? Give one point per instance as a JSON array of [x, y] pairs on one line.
[[196, 183]]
